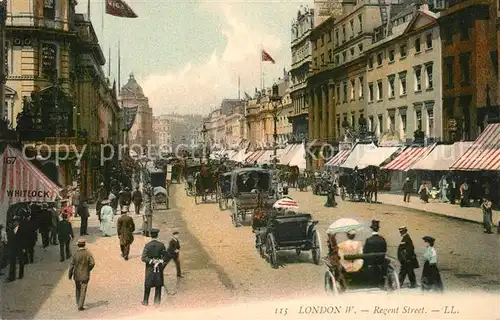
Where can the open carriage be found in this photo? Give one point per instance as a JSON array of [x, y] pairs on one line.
[[369, 271], [224, 190], [352, 187], [190, 173], [321, 185], [285, 229], [206, 186], [245, 183]]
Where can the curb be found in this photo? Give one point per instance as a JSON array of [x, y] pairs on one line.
[[434, 213]]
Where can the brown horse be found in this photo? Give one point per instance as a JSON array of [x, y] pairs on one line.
[[371, 188], [293, 176]]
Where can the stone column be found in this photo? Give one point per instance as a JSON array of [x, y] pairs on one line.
[[310, 111], [317, 123], [331, 112], [324, 105]]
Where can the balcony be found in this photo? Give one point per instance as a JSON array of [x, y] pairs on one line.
[[28, 20]]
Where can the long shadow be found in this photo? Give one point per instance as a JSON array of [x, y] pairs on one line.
[[23, 298]]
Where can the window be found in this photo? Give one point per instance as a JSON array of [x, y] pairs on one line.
[[379, 59], [329, 37], [402, 84], [464, 30], [323, 39], [344, 34], [448, 34], [330, 58], [392, 122], [337, 59], [428, 40], [380, 94], [315, 45], [338, 126], [418, 117], [49, 60], [345, 92], [360, 47], [418, 78], [370, 123], [417, 45], [430, 122], [315, 62], [353, 89], [403, 121], [392, 88], [322, 59], [428, 70], [352, 52], [337, 37], [402, 51], [344, 56], [370, 92], [361, 87], [352, 28], [360, 20], [338, 94], [353, 121], [380, 119], [49, 9], [448, 67], [370, 62], [8, 62], [391, 55], [464, 67]]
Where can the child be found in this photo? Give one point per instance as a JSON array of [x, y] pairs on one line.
[[431, 278]]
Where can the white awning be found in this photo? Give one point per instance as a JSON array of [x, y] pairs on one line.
[[239, 156], [376, 157], [442, 157], [265, 157], [356, 154], [299, 158], [287, 154]]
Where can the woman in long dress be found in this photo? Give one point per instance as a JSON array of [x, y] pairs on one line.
[[431, 278], [107, 215], [486, 208]]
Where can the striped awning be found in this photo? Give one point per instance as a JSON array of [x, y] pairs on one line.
[[408, 157], [254, 156], [338, 159], [21, 181], [484, 154]]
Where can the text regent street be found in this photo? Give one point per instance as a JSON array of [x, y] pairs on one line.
[[29, 193]]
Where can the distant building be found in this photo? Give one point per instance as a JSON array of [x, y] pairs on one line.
[[173, 130]]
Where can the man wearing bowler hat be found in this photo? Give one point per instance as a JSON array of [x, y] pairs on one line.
[[173, 253], [154, 255], [81, 265], [407, 258], [375, 244]]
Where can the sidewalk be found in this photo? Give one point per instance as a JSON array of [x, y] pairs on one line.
[[454, 211]]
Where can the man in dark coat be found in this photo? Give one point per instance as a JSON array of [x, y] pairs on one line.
[[407, 187], [81, 265], [375, 244], [83, 212], [137, 200], [153, 255], [65, 230], [28, 235], [45, 224], [125, 197], [14, 243], [173, 253], [407, 258], [125, 228], [55, 223]]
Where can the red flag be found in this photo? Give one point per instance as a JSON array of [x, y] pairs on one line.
[[266, 57], [119, 8]]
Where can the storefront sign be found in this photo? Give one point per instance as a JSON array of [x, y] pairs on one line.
[[329, 8]]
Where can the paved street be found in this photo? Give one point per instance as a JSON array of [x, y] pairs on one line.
[[222, 266]]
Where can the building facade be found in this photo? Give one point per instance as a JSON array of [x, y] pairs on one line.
[[301, 48], [403, 78], [131, 96], [470, 67], [284, 126], [163, 131]]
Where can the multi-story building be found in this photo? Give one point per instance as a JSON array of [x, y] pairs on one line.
[[132, 96], [172, 130], [54, 64], [337, 84], [301, 48], [470, 66], [215, 126], [163, 132], [235, 126], [403, 77], [284, 126]]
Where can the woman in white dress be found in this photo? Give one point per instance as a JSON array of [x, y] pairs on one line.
[[107, 215]]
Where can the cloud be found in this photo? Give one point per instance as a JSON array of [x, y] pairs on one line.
[[247, 27]]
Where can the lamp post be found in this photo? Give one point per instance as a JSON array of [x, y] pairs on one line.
[[275, 100], [205, 149]]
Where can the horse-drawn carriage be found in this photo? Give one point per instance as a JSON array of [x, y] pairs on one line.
[[285, 229], [224, 190], [356, 270], [321, 185], [190, 173], [206, 185], [246, 184], [352, 186]]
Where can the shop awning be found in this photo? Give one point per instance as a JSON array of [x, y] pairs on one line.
[[265, 157], [442, 157], [484, 154], [21, 181], [254, 156], [239, 156], [408, 157], [356, 154], [287, 155], [299, 157], [376, 157], [338, 159]]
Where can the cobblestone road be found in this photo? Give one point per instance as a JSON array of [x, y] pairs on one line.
[[222, 265]]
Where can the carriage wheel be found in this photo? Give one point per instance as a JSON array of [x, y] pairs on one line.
[[271, 251], [316, 251], [234, 215], [260, 246]]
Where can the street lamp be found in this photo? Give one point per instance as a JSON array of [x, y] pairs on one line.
[[275, 100], [205, 149]]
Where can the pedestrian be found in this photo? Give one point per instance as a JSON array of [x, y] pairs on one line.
[[83, 211], [107, 216], [137, 200], [65, 236], [45, 224], [407, 187], [465, 194], [486, 208], [407, 258], [147, 218], [443, 187], [54, 224], [3, 248], [83, 262], [28, 234], [153, 255], [125, 197], [375, 244], [125, 228], [16, 254], [431, 278], [424, 192], [174, 247], [75, 201]]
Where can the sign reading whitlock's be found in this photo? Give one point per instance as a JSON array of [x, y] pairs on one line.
[[31, 194]]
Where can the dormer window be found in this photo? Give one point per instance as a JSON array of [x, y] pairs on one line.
[[49, 9]]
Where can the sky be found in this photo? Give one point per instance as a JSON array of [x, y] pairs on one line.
[[188, 55]]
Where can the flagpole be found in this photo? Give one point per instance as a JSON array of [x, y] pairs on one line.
[[109, 62], [88, 9], [102, 18], [260, 69]]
